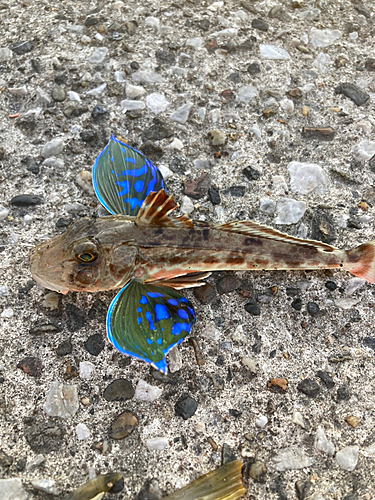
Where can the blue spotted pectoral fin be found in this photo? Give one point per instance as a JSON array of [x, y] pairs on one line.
[[146, 321], [122, 178]]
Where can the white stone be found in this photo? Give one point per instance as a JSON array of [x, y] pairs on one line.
[[292, 458], [52, 162], [271, 52], [61, 400], [317, 496], [85, 39], [364, 126], [201, 163], [83, 432], [19, 90], [267, 206], [227, 32], [176, 70], [201, 113], [7, 313], [5, 54], [165, 172], [279, 184], [200, 427], [4, 212], [154, 22], [250, 364], [289, 211], [97, 91], [174, 360], [300, 420], [246, 93], [215, 6], [85, 369], [353, 285], [99, 37], [36, 462], [307, 178], [130, 105], [255, 130], [210, 333], [322, 62], [12, 489], [158, 443], [364, 150], [261, 421], [323, 38], [157, 103], [134, 91], [346, 303], [186, 205], [3, 290], [347, 458], [73, 96], [98, 56], [146, 76], [74, 208], [322, 443], [195, 43], [146, 392], [181, 114], [47, 485], [98, 77], [353, 35], [42, 96], [120, 76], [175, 144]]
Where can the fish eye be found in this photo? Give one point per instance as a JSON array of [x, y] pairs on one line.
[[86, 257]]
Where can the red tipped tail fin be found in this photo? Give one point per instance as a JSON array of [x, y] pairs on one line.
[[361, 261]]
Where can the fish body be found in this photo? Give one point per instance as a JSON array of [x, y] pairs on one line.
[[149, 255]]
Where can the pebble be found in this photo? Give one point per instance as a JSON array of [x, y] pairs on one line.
[[364, 151], [174, 360], [85, 369], [206, 294], [228, 32], [31, 365], [322, 443], [95, 344], [323, 38], [61, 400], [297, 304], [214, 195], [307, 178], [145, 76], [309, 387], [26, 200], [19, 90], [3, 288], [42, 97], [186, 205], [352, 420], [146, 392], [195, 43], [318, 133], [292, 458], [271, 52], [343, 393], [289, 211], [258, 24], [158, 443], [267, 206], [134, 91], [97, 91], [47, 485], [36, 462], [247, 93], [176, 144], [73, 96], [261, 421], [347, 458], [300, 420], [44, 436], [181, 114], [12, 489], [120, 389], [5, 460], [157, 103], [56, 163], [58, 94], [258, 471], [353, 285], [82, 432], [4, 212], [130, 105], [252, 309], [5, 54], [75, 317], [353, 92], [7, 313], [123, 425], [98, 113], [249, 364], [326, 378], [312, 308], [53, 147], [216, 137], [186, 406], [98, 56]]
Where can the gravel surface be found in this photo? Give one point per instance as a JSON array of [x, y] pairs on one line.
[[252, 110]]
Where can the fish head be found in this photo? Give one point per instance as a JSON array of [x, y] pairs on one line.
[[82, 259]]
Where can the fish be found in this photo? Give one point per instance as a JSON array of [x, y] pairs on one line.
[[149, 255], [95, 488]]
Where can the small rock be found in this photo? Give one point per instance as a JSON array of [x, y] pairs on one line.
[[258, 471], [61, 400], [55, 163], [353, 285], [82, 432], [44, 436], [250, 365], [21, 48], [322, 443], [5, 460], [156, 103], [267, 206], [217, 138], [261, 421], [364, 151], [98, 56], [323, 38], [75, 317], [26, 200], [5, 54], [303, 489], [85, 369], [353, 92], [130, 105], [307, 178], [344, 393], [174, 360], [313, 308], [99, 113], [64, 348], [247, 93], [53, 147], [3, 213], [95, 344], [309, 387], [297, 304], [300, 420], [227, 454], [88, 135], [319, 133], [123, 425], [213, 194], [347, 458], [206, 294], [369, 64], [195, 43], [181, 114], [12, 489], [146, 392], [58, 94], [251, 173], [97, 91], [258, 24], [119, 390], [158, 443], [32, 366], [326, 378], [186, 407], [134, 91], [186, 205], [36, 462], [352, 420], [289, 211], [330, 285], [47, 485], [292, 458], [252, 309], [273, 53]]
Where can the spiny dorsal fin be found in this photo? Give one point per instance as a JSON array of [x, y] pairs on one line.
[[155, 211], [257, 230]]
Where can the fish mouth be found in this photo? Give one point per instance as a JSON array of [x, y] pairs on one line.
[[51, 286]]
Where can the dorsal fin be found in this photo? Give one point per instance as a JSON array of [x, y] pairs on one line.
[[155, 211], [257, 230]]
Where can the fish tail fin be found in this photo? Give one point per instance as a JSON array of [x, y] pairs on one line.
[[361, 261]]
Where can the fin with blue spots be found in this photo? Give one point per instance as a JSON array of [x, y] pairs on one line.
[[145, 321], [123, 178]]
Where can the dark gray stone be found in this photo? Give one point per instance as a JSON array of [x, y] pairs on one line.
[[21, 48], [253, 309], [26, 200], [309, 387], [326, 378], [165, 57], [258, 24], [64, 348], [99, 113], [251, 173], [254, 68], [353, 92], [45, 436], [343, 393], [312, 308], [75, 318], [119, 390], [185, 407], [95, 344], [214, 195]]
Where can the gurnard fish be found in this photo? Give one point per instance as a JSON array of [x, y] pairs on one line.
[[149, 255]]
